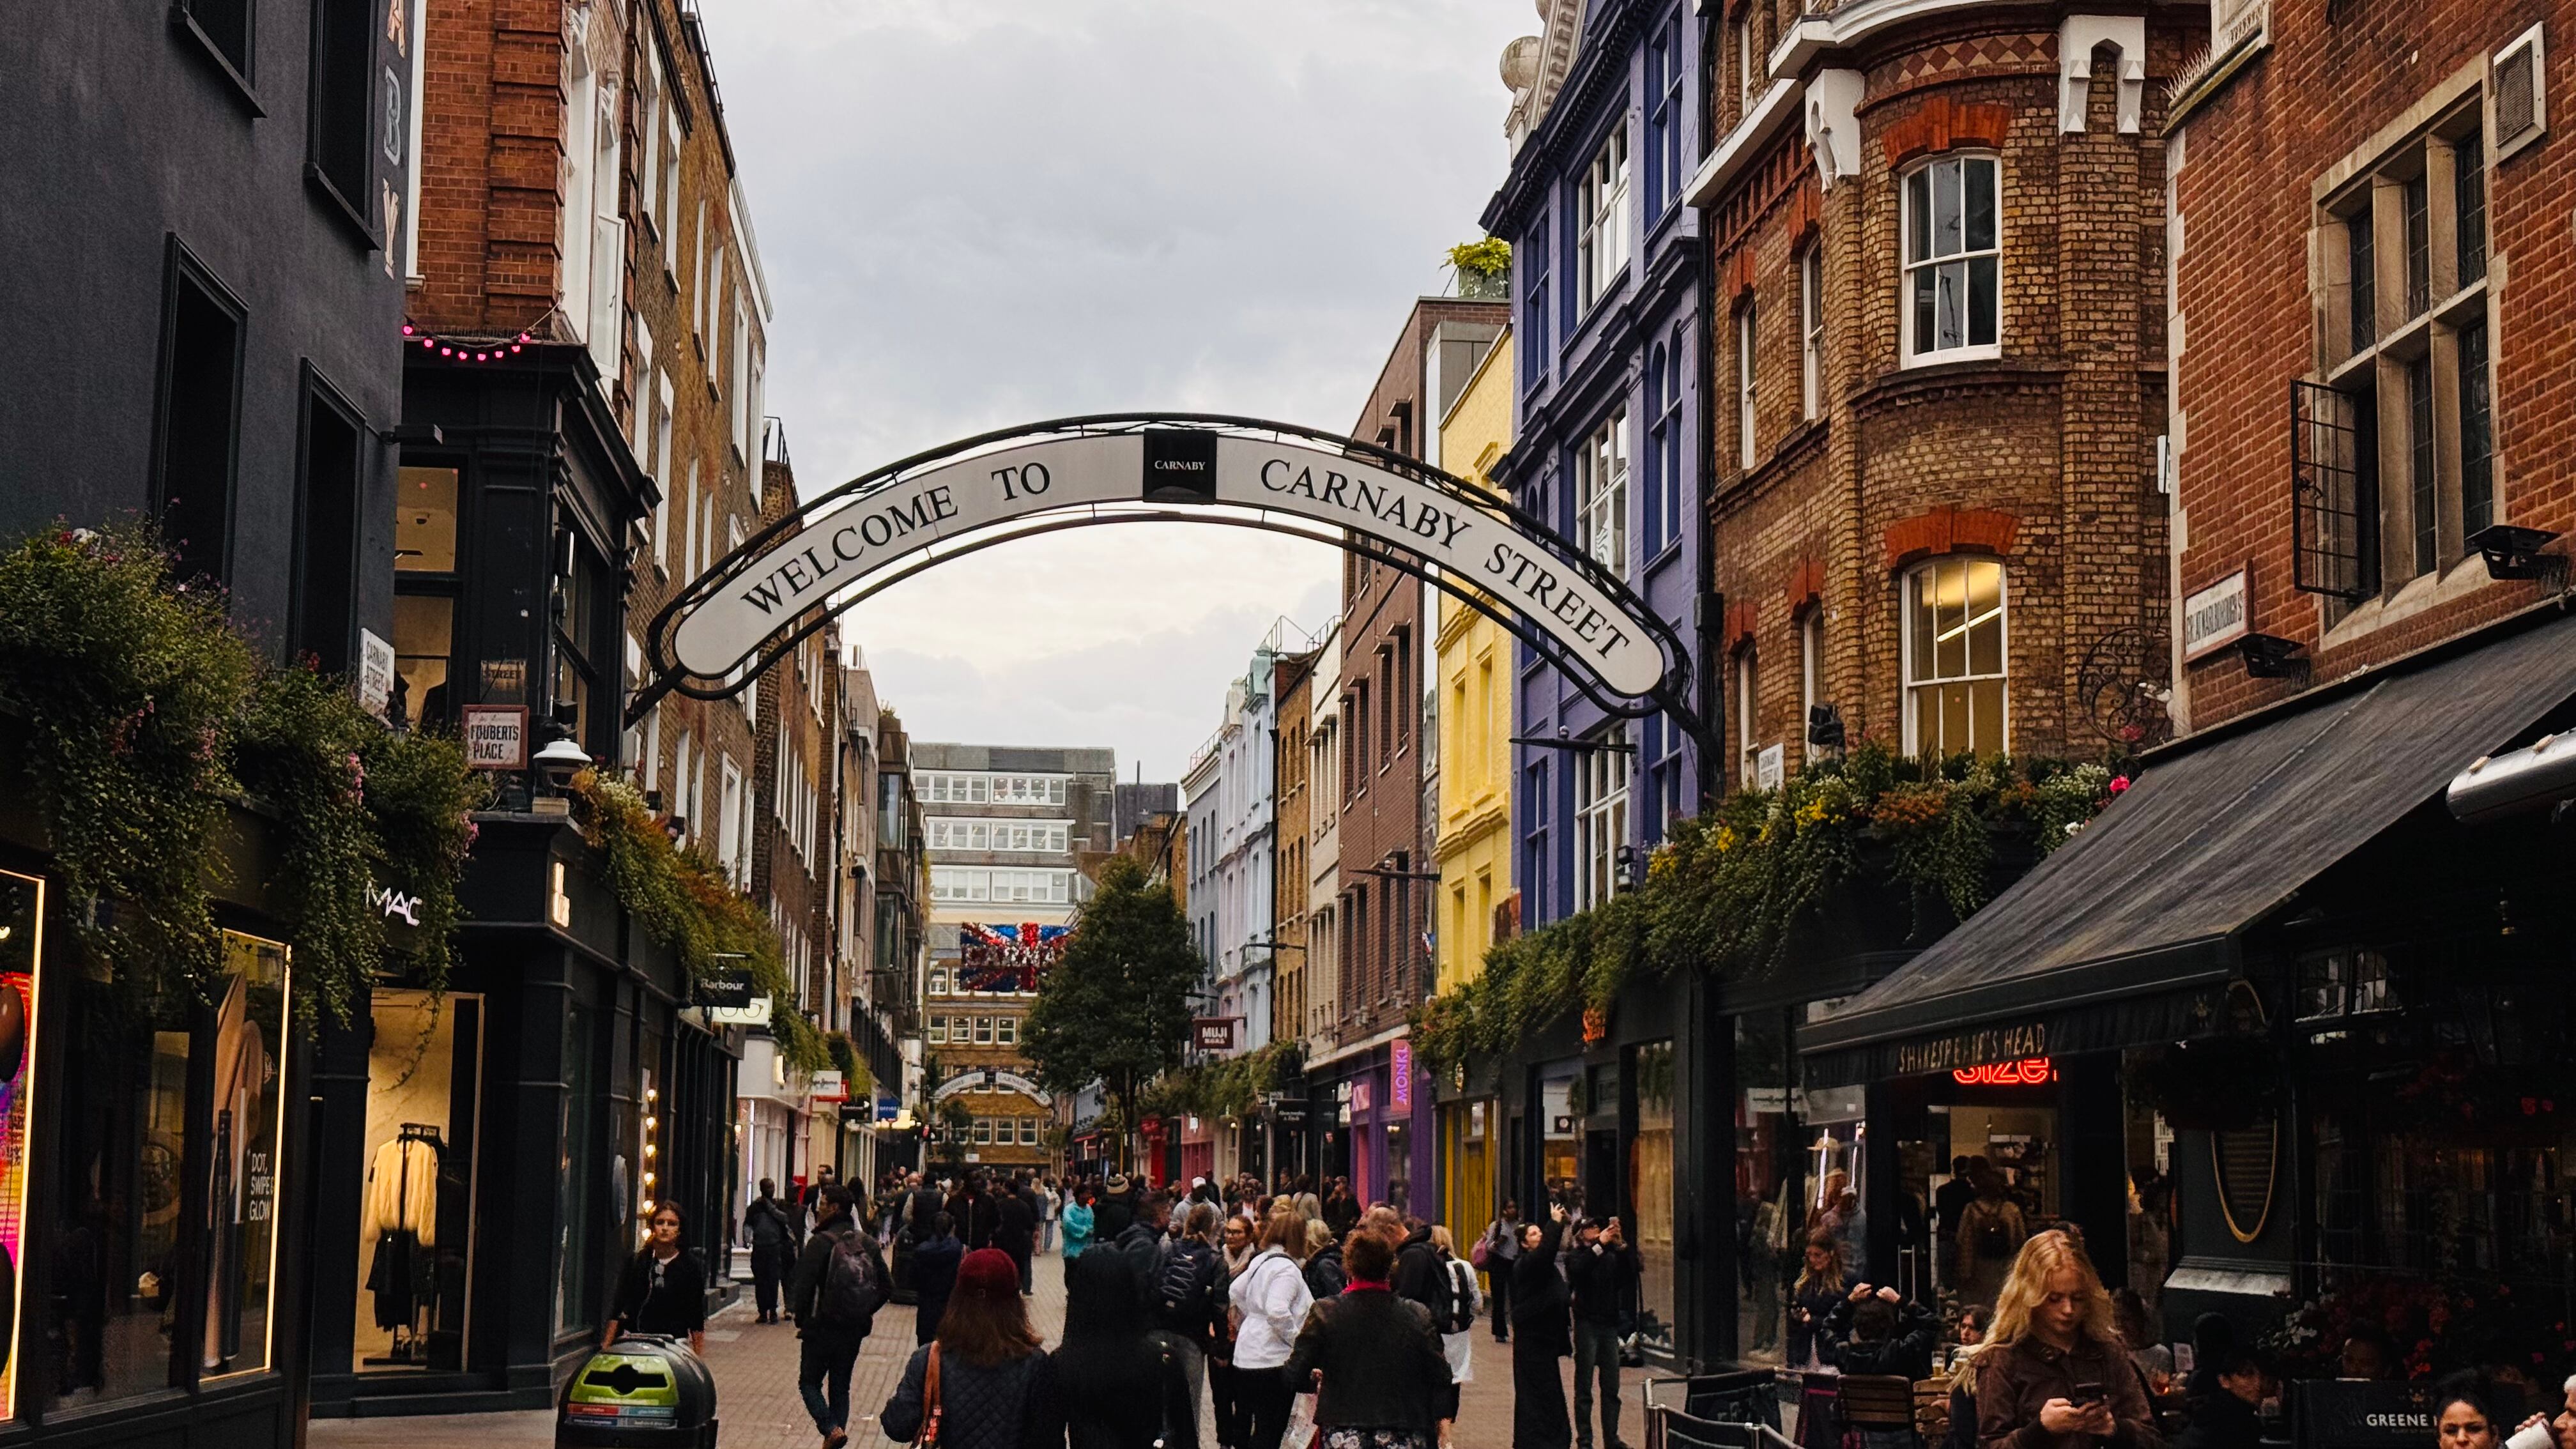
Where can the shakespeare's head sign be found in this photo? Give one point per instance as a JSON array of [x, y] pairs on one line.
[[863, 536]]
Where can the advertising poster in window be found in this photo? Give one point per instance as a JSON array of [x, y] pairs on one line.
[[21, 922]]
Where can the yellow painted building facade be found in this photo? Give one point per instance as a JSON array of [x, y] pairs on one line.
[[1475, 664]]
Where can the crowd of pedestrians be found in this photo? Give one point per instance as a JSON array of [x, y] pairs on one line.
[[1303, 1318]]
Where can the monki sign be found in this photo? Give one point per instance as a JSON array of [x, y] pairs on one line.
[[1150, 473]]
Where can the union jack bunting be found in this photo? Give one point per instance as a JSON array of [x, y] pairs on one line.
[[1006, 958]]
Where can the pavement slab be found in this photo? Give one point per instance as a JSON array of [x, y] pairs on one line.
[[756, 1401]]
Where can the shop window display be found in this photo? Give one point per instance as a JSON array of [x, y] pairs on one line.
[[415, 1215], [179, 1103], [22, 914], [578, 1289], [1561, 1135], [1650, 1190]]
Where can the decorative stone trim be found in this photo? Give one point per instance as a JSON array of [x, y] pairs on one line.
[[1943, 124], [1806, 585], [1949, 530], [2077, 39]]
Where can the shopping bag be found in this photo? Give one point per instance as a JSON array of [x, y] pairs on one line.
[[1301, 1424]]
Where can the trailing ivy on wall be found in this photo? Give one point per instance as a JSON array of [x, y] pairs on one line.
[[1222, 1087], [1727, 890], [684, 900], [138, 714]]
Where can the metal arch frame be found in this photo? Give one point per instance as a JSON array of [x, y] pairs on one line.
[[1671, 696]]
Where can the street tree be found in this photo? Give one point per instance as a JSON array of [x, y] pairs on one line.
[[1116, 1008]]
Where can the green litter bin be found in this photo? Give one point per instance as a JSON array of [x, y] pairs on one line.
[[646, 1391]]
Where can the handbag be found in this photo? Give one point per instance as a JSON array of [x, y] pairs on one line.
[[1301, 1424], [930, 1400], [1481, 1254]]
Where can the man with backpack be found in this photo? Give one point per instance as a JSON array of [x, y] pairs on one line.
[[1186, 1305], [839, 1284]]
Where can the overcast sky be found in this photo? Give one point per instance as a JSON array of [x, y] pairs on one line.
[[974, 213]]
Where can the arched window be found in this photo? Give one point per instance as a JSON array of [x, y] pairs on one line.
[[1811, 674], [1955, 657]]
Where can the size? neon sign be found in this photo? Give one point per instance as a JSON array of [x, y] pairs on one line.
[[2028, 1072]]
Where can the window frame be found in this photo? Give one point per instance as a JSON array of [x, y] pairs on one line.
[[1915, 354], [1911, 687], [1599, 504], [1747, 382], [1604, 784], [1811, 338], [1602, 240]]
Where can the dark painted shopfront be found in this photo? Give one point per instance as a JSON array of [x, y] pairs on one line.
[[154, 1173], [2280, 1033], [507, 1133], [487, 1153]]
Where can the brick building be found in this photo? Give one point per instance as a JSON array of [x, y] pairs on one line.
[[1386, 839], [2339, 894], [562, 1082], [1938, 338], [1007, 829]]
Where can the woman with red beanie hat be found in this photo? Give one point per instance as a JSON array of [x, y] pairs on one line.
[[984, 1380]]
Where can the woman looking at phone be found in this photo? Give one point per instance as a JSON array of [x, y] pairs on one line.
[[2055, 1373]]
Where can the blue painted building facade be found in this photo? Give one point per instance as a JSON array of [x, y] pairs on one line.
[[1609, 275], [1607, 292]]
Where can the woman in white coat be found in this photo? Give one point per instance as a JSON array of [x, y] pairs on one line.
[[1459, 1346]]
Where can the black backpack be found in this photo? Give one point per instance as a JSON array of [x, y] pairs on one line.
[[854, 1285], [1462, 1303], [1185, 1296], [1324, 1275], [1444, 1300]]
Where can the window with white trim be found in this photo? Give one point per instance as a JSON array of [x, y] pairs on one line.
[[1601, 215], [950, 832], [1953, 257], [1748, 733], [983, 1031], [975, 884], [1601, 494], [1744, 444], [1600, 815], [1745, 70], [1955, 657], [939, 982], [1028, 1131], [1811, 670], [1006, 1031], [1811, 332], [938, 1034]]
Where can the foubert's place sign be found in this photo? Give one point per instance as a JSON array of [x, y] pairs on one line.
[[910, 520]]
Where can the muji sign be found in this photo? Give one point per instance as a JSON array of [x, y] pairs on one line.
[[1161, 472]]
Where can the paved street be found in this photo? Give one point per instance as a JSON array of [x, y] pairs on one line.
[[755, 1367]]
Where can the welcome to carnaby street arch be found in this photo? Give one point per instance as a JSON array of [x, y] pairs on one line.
[[761, 600]]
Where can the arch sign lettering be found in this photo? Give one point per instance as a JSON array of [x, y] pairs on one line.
[[865, 535], [972, 1080]]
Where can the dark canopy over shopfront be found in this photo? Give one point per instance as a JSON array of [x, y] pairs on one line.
[[2129, 935]]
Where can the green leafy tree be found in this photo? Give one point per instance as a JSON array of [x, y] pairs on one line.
[[1116, 1009]]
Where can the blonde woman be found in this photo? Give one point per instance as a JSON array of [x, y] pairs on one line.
[[2054, 1373]]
